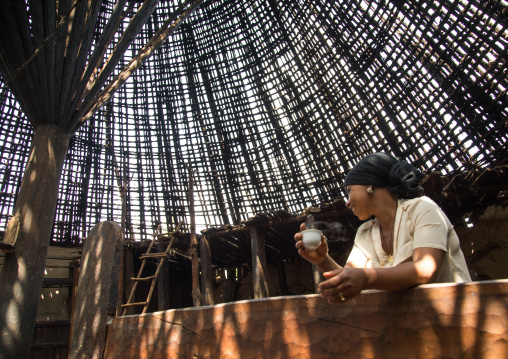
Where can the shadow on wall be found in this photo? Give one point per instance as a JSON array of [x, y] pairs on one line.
[[432, 321]]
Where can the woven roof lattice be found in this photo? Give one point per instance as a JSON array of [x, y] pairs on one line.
[[269, 103]]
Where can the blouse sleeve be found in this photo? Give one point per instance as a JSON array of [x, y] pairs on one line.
[[431, 227], [362, 252], [358, 259]]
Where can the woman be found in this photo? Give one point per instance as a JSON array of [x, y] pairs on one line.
[[408, 241]]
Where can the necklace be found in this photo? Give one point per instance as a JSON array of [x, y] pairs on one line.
[[388, 249]]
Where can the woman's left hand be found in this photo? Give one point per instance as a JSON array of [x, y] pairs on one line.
[[342, 284]]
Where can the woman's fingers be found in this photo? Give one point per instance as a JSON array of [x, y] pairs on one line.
[[333, 273], [299, 236], [332, 284], [342, 285]]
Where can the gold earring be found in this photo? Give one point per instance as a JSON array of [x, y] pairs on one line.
[[370, 190]]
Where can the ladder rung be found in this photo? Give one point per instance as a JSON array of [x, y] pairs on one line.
[[163, 234], [133, 304], [153, 255], [145, 278]]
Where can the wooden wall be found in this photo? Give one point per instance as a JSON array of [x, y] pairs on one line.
[[51, 340], [431, 321]]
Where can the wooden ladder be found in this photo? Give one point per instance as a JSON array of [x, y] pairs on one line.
[[153, 278]]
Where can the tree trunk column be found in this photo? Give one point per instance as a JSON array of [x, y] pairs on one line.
[[23, 269]]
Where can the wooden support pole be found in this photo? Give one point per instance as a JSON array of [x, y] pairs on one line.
[[163, 282], [75, 276], [120, 280], [257, 240], [281, 272], [206, 272], [317, 276], [196, 292], [97, 290], [128, 268]]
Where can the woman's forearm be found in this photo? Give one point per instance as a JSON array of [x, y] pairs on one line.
[[328, 264], [349, 281], [396, 278], [406, 275]]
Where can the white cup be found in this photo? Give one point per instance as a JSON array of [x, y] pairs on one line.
[[311, 238]]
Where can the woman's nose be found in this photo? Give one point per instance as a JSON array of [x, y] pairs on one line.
[[348, 203]]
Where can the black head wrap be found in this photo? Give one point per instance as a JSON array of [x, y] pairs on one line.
[[384, 170]]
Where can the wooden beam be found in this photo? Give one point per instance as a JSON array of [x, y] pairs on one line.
[[317, 276], [57, 282], [95, 101], [196, 291], [39, 58], [75, 275], [93, 64], [163, 281], [73, 44], [321, 216], [281, 272], [64, 10], [257, 240], [128, 268], [120, 290], [206, 272], [15, 42], [82, 40], [128, 36]]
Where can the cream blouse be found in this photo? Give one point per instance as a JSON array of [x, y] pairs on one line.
[[419, 222]]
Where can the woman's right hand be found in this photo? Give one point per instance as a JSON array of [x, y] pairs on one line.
[[313, 256]]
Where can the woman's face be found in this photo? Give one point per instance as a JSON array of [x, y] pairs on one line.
[[359, 201]]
